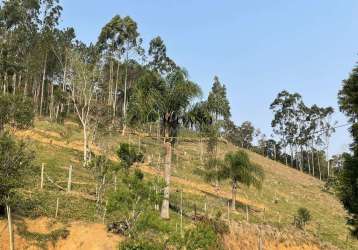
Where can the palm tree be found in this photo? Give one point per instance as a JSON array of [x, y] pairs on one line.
[[238, 167], [171, 98]]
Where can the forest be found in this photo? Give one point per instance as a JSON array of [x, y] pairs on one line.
[[118, 87]]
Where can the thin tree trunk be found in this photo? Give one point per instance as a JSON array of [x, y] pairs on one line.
[[201, 150], [11, 231], [85, 144], [233, 200], [14, 83], [308, 161], [313, 163], [43, 83], [125, 95], [115, 93], [25, 87], [5, 82], [110, 83], [319, 167], [51, 102], [167, 172], [64, 74]]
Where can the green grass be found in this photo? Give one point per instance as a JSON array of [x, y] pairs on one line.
[[284, 190]]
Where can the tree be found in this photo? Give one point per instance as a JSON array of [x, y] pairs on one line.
[[173, 107], [83, 79], [246, 131], [134, 199], [119, 38], [16, 112], [218, 103], [348, 178], [219, 108], [240, 170], [159, 61], [99, 167], [170, 99], [285, 108]]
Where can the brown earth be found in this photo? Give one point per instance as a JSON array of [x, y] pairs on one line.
[[82, 236]]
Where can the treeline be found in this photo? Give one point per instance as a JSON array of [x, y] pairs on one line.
[[115, 83], [301, 136]]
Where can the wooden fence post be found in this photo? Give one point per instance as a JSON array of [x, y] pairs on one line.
[[181, 213], [115, 183], [105, 212], [139, 143], [11, 236], [205, 205], [260, 241], [42, 176], [69, 179], [247, 213], [201, 150], [57, 205]]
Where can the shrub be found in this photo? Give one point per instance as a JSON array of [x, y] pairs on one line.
[[16, 111], [140, 245], [134, 200], [302, 218], [129, 155], [206, 235], [15, 160]]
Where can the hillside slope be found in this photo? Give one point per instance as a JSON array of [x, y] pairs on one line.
[[284, 190]]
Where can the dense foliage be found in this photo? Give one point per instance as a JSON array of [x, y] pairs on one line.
[[15, 161], [348, 178]]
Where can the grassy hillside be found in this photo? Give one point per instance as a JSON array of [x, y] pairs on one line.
[[273, 207]]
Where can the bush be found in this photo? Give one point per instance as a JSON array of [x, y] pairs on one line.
[[206, 235], [129, 155], [134, 200], [140, 245], [16, 111], [302, 218], [15, 160]]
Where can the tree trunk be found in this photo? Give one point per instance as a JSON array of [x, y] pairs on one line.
[[64, 74], [233, 200], [85, 144], [125, 95], [308, 161], [110, 83], [115, 93], [313, 163], [11, 236], [43, 84], [167, 172], [319, 167], [14, 84], [25, 87], [52, 102], [201, 150], [5, 83]]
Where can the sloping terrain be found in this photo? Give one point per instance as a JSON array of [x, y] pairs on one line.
[[270, 209], [80, 235]]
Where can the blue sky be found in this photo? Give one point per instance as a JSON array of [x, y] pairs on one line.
[[257, 48]]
